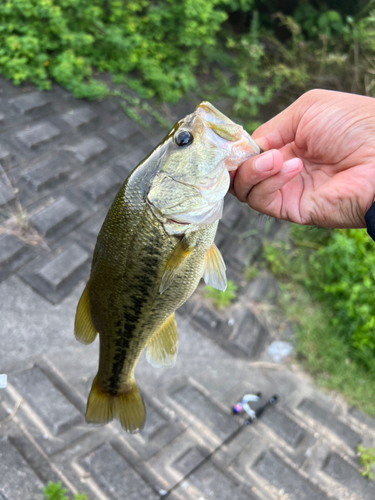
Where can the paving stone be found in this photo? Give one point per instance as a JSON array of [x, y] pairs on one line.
[[348, 476], [156, 435], [89, 230], [36, 460], [123, 130], [188, 461], [18, 481], [89, 149], [38, 134], [282, 477], [12, 254], [204, 410], [209, 482], [208, 319], [101, 186], [50, 171], [51, 219], [232, 212], [6, 191], [251, 335], [46, 400], [262, 288], [326, 418], [362, 417], [55, 278], [81, 119], [4, 157], [125, 164], [178, 459], [115, 477], [284, 427], [33, 103]]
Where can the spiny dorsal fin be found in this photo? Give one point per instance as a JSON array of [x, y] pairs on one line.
[[84, 329], [214, 269], [162, 348], [177, 259], [128, 407]]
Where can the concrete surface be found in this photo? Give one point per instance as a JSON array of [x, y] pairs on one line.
[[63, 160]]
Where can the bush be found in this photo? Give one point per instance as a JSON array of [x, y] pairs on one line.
[[254, 49], [71, 40], [337, 267]]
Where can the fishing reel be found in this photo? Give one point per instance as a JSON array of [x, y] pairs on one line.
[[244, 406]]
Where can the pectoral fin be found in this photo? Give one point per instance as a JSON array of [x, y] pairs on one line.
[[162, 348], [84, 330], [214, 269], [177, 259]]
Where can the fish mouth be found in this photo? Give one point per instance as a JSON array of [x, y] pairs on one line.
[[224, 133]]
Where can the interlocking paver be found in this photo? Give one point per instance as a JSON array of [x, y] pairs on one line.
[[63, 161], [115, 477], [324, 417], [37, 135], [32, 103], [101, 186], [52, 218], [49, 171], [80, 119], [45, 399], [90, 148], [55, 277], [282, 477], [346, 475], [18, 481]]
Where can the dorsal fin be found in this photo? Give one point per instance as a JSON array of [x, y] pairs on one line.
[[176, 260], [84, 330], [214, 269], [162, 348]]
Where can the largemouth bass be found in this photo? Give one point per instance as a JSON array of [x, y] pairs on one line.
[[156, 243]]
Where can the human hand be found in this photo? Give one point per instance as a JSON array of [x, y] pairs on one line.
[[318, 167]]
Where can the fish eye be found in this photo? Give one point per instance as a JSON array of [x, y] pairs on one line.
[[184, 138]]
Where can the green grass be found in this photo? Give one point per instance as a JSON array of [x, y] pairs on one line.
[[221, 299], [322, 352], [55, 491], [367, 459]]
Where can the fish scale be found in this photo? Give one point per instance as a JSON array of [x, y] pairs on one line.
[[151, 252]]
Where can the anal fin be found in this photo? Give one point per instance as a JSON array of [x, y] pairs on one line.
[[128, 407], [162, 348], [214, 269], [84, 330]]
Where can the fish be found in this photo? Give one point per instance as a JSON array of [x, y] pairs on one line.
[[155, 244]]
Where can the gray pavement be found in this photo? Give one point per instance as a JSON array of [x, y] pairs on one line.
[[63, 160]]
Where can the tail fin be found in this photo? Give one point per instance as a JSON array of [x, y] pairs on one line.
[[128, 407]]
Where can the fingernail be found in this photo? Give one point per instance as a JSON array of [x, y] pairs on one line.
[[290, 165], [264, 163]]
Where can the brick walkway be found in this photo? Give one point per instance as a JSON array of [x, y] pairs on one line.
[[63, 160]]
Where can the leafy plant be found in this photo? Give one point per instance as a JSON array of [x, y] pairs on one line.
[[338, 268], [367, 460], [221, 299], [55, 491]]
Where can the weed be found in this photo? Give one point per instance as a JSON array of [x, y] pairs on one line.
[[251, 272], [55, 491], [367, 460], [327, 281], [221, 299]]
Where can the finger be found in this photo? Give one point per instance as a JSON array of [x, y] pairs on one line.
[[267, 198], [281, 129], [255, 170]]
